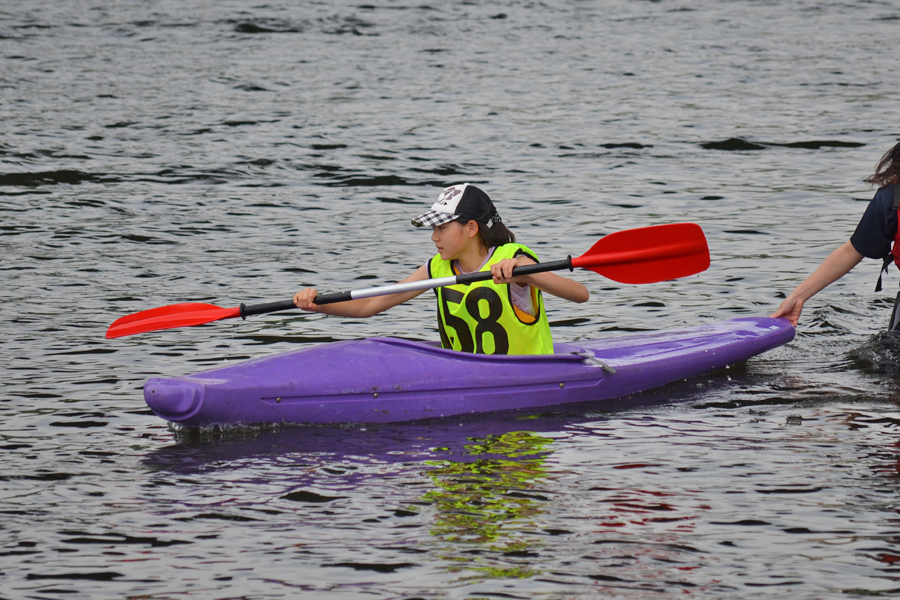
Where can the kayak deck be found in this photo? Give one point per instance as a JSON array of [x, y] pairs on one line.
[[379, 380]]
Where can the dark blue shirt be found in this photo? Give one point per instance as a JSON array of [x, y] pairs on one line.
[[875, 233]]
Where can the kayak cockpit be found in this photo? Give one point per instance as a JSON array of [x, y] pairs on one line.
[[562, 353]]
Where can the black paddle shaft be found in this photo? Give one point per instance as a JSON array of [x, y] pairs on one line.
[[556, 265], [258, 309]]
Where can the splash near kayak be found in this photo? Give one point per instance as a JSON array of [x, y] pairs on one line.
[[383, 380]]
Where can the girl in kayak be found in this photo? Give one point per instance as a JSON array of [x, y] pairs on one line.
[[504, 315], [873, 238]]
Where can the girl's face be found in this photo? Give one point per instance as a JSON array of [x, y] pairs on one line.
[[452, 239]]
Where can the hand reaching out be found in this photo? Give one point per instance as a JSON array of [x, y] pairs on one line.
[[790, 309]]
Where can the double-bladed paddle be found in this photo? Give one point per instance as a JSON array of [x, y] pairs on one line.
[[643, 255]]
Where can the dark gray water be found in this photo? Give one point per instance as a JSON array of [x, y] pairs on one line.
[[158, 152]]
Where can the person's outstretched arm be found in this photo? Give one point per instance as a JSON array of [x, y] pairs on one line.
[[832, 268]]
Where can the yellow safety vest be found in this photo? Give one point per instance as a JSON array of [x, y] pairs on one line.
[[481, 318]]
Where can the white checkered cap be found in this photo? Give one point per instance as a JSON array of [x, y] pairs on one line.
[[433, 218], [444, 210]]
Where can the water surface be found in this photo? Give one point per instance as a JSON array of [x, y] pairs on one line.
[[165, 152]]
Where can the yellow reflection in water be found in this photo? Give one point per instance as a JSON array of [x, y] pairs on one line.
[[490, 503]]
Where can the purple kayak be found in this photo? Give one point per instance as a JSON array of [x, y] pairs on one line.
[[382, 380]]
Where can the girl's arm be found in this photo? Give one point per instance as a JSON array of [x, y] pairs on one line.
[[548, 282], [364, 307], [833, 268]]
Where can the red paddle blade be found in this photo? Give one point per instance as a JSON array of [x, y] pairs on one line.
[[648, 254], [168, 317]]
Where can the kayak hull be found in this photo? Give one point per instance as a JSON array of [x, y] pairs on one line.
[[382, 380]]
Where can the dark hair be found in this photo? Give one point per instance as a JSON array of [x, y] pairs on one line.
[[888, 169], [493, 236]]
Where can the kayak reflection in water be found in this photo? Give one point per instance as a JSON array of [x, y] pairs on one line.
[[503, 315], [873, 238]]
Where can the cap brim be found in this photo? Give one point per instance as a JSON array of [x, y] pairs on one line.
[[433, 218]]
